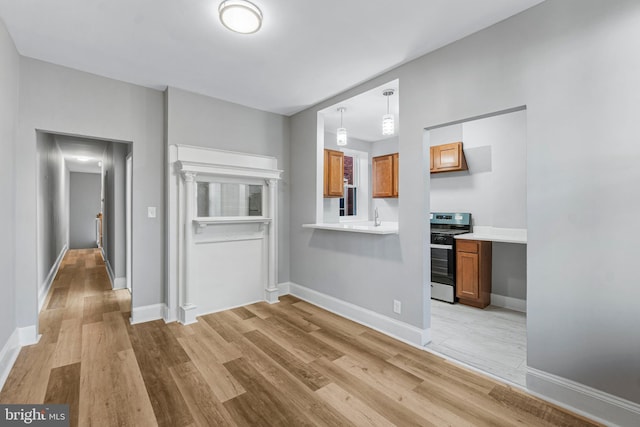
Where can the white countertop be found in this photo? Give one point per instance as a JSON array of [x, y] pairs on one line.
[[387, 227], [495, 234]]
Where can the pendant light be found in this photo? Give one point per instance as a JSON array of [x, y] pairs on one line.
[[388, 125], [341, 133], [240, 16]]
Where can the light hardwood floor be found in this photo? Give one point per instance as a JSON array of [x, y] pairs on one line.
[[493, 339], [287, 364]]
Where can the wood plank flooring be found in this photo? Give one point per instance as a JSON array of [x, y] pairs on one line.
[[287, 364]]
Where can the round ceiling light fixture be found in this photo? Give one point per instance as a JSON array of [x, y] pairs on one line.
[[240, 16]]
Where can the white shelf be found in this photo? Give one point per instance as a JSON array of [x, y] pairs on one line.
[[202, 222], [357, 227], [495, 234]]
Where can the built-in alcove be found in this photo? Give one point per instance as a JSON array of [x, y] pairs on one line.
[[344, 197], [222, 231]]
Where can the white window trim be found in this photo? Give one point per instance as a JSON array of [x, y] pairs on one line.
[[361, 181]]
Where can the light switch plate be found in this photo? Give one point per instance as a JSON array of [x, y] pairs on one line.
[[151, 211]]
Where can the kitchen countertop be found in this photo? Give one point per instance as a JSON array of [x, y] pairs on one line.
[[387, 227], [495, 234]]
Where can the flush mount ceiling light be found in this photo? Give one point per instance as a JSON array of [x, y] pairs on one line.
[[83, 158], [240, 16], [341, 133], [388, 125]]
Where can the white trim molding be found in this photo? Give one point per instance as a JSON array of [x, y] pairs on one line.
[[48, 281], [8, 356], [116, 282], [188, 165], [28, 335], [515, 304], [120, 283], [387, 325], [110, 272], [284, 288], [148, 313], [602, 407]]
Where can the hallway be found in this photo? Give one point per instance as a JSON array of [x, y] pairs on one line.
[[285, 364], [84, 350]]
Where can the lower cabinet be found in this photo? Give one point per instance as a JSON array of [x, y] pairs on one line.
[[473, 272]]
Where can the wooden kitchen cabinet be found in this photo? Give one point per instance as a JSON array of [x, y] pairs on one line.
[[473, 272], [448, 158], [333, 173], [384, 174]]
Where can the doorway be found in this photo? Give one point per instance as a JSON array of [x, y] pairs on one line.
[[84, 195], [493, 191]]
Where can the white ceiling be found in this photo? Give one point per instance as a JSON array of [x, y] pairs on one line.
[[363, 115], [306, 51]]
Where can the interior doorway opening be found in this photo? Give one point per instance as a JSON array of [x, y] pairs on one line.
[[492, 191], [84, 202]]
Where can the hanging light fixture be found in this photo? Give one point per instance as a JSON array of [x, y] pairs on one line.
[[240, 16], [341, 133], [388, 125]]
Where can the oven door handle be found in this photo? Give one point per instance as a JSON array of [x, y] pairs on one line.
[[434, 246]]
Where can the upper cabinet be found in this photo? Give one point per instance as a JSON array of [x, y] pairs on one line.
[[384, 173], [448, 158], [333, 173]]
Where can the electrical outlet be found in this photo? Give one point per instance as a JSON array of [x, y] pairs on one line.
[[397, 306]]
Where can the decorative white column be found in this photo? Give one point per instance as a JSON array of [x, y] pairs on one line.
[[271, 293], [187, 311]]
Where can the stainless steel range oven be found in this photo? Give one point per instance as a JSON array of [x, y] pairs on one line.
[[444, 226]]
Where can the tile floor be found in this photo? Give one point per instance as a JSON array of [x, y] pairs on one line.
[[493, 340]]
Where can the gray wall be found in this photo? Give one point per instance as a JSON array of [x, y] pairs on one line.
[[573, 63], [9, 82], [114, 237], [84, 205], [198, 120], [494, 188], [58, 99], [509, 270], [52, 205]]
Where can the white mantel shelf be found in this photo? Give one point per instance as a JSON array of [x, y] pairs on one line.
[[357, 227], [202, 222], [230, 220], [495, 234]]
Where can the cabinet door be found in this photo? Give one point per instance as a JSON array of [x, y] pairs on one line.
[[431, 157], [396, 174], [467, 275], [382, 176], [448, 158], [333, 173]]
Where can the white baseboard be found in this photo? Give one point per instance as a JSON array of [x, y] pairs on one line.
[[8, 356], [28, 335], [48, 281], [284, 288], [147, 313], [169, 315], [109, 270], [116, 282], [511, 303], [603, 407], [387, 325], [120, 283]]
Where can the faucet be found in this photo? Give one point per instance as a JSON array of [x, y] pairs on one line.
[[376, 219]]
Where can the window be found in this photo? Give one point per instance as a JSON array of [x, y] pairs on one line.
[[349, 203]]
